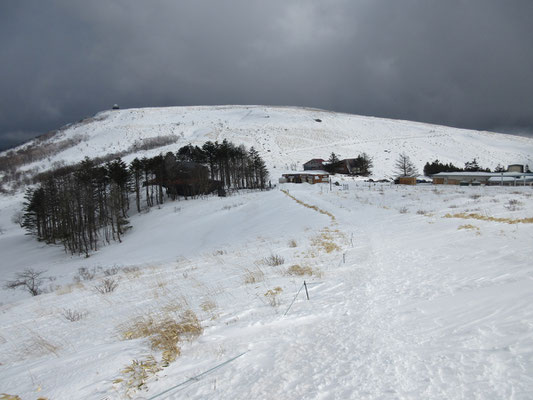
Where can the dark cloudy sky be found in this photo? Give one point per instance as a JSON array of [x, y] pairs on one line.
[[465, 63]]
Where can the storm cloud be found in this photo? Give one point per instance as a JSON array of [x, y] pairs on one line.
[[464, 63]]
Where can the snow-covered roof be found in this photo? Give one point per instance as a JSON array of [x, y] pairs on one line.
[[511, 178], [482, 174], [310, 172]]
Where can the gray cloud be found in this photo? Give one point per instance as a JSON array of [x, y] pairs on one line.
[[458, 62]]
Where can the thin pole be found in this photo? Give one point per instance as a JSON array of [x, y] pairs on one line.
[[292, 302], [197, 377], [306, 292]]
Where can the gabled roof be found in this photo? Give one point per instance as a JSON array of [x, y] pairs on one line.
[[315, 159], [313, 172]]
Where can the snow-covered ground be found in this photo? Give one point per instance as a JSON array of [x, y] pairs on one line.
[[286, 137], [416, 292]]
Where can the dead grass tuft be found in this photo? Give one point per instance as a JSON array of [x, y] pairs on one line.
[[132, 272], [68, 288], [469, 227], [292, 243], [38, 346], [107, 285], [5, 396], [513, 205], [325, 241], [251, 277], [272, 296], [172, 307], [274, 260], [165, 333], [208, 306], [138, 373], [74, 315], [299, 270]]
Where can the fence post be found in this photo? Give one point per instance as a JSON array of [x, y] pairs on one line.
[[306, 292]]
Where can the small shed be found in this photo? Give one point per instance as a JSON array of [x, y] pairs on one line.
[[407, 180]]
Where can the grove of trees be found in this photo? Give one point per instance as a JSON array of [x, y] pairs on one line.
[[470, 166], [86, 205]]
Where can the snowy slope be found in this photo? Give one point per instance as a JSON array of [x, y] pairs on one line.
[[415, 292], [287, 137], [407, 303]]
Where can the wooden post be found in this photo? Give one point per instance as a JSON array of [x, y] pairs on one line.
[[344, 258], [306, 292]]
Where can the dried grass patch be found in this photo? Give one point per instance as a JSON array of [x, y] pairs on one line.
[[251, 277], [38, 346], [173, 307], [165, 333], [132, 272], [272, 296], [137, 375], [274, 260], [469, 227], [5, 396], [488, 218], [210, 307], [298, 270], [68, 288], [325, 241]]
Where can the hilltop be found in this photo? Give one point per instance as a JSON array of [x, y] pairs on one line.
[[285, 137]]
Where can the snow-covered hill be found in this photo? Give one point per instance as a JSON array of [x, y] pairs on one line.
[[286, 137], [415, 292]]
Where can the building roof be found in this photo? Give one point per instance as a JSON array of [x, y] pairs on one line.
[[315, 159], [504, 178], [481, 174], [313, 172]]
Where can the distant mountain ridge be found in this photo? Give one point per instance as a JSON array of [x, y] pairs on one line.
[[285, 137]]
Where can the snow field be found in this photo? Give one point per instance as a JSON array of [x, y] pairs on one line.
[[420, 307]]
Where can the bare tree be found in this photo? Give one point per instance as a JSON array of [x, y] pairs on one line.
[[404, 166], [29, 280]]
